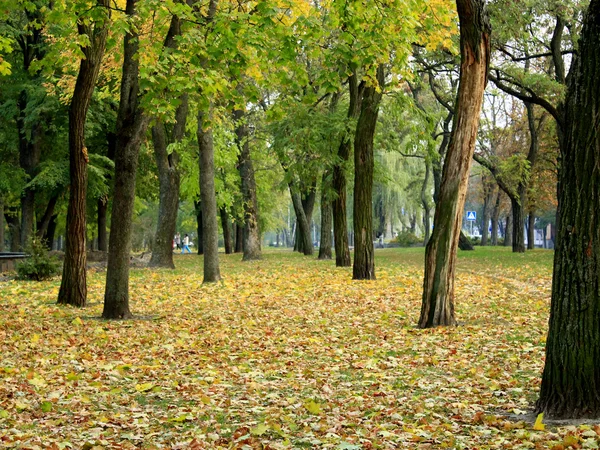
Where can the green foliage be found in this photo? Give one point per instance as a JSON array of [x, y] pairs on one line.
[[407, 239], [39, 265]]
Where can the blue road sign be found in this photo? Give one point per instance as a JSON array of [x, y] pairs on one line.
[[471, 215]]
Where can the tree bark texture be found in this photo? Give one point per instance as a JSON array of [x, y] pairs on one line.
[[199, 226], [425, 202], [239, 238], [570, 386], [101, 210], [364, 163], [130, 130], [518, 224], [227, 236], [326, 219], [440, 255], [340, 221], [531, 231], [303, 227], [252, 248], [210, 231], [73, 287]]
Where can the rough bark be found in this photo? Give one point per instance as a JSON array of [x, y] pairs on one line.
[[227, 237], [101, 210], [251, 240], [440, 256], [239, 238], [570, 386], [518, 224], [326, 219], [495, 218], [309, 198], [364, 163], [73, 287], [531, 231], [210, 226], [303, 234], [340, 222], [130, 130]]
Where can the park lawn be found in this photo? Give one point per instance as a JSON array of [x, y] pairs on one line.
[[287, 352]]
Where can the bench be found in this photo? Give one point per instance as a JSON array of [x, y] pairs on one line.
[[8, 260]]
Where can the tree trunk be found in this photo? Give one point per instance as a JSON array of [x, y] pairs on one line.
[[464, 243], [102, 208], [518, 225], [440, 256], [51, 232], [570, 386], [131, 128], [326, 220], [495, 218], [168, 170], [73, 287], [42, 226], [239, 238], [364, 163], [226, 225], [340, 222], [210, 226], [508, 231], [251, 246], [199, 226], [531, 231], [303, 234], [426, 204], [487, 207]]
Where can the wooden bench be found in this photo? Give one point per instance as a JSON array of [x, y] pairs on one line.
[[8, 260]]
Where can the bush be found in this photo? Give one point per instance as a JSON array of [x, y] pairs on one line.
[[39, 265], [475, 240], [407, 239]]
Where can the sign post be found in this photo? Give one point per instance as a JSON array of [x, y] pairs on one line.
[[471, 217]]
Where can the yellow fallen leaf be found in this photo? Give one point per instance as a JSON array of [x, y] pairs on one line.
[[313, 407], [144, 387], [77, 321], [539, 425]]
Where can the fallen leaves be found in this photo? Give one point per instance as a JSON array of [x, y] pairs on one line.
[[287, 353]]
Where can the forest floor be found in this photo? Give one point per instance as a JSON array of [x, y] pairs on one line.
[[287, 352]]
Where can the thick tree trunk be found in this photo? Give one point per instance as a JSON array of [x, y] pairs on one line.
[[168, 170], [364, 163], [252, 248], [570, 386], [210, 226], [199, 226], [326, 220], [227, 237], [309, 199], [131, 128], [440, 256], [303, 234], [42, 226], [239, 238], [518, 225], [340, 222], [495, 218], [464, 243], [531, 231], [73, 287], [102, 208], [508, 231]]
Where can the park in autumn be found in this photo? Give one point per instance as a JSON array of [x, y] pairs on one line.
[[286, 224]]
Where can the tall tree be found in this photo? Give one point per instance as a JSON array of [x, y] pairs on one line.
[[326, 217], [364, 163], [73, 287], [571, 379], [130, 130], [251, 230], [210, 227], [440, 255]]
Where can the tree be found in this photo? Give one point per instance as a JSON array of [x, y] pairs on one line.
[[210, 227], [364, 262], [73, 287], [131, 127], [440, 255], [571, 379]]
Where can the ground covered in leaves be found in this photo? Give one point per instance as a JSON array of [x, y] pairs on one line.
[[287, 352]]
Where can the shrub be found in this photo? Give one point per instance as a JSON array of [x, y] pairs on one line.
[[39, 265], [407, 239]]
